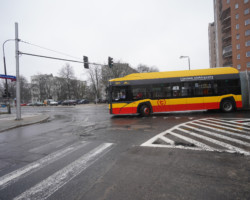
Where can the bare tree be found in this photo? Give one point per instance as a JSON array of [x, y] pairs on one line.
[[67, 73], [141, 68], [118, 70], [95, 75]]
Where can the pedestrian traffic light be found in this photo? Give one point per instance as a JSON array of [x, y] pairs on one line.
[[110, 62], [86, 62]]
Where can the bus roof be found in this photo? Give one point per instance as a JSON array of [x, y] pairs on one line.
[[173, 74]]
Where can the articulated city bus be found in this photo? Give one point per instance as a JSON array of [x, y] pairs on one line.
[[204, 89]]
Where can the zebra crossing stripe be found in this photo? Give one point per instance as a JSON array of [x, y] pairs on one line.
[[220, 130], [231, 123], [193, 128], [47, 187], [192, 141], [223, 144], [219, 135], [28, 169], [225, 127]]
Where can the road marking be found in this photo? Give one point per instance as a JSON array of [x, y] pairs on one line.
[[191, 128], [223, 144], [219, 136], [232, 123], [220, 130], [221, 126], [47, 187], [12, 177]]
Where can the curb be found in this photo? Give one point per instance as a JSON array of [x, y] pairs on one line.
[[21, 123]]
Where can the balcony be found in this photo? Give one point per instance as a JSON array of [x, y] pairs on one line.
[[226, 37], [226, 29], [225, 14]]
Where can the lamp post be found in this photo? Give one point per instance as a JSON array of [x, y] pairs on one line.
[[188, 60], [5, 72]]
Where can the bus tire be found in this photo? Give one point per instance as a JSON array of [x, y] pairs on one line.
[[145, 110], [227, 105]]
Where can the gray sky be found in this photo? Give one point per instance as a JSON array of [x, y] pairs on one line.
[[151, 32]]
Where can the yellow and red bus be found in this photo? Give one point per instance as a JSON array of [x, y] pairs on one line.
[[203, 89]]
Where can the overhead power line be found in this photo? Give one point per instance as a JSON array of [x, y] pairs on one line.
[[49, 49]]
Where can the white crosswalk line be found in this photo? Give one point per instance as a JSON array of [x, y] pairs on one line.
[[223, 144], [32, 167], [198, 123], [231, 123], [219, 135], [220, 126], [47, 187], [192, 141], [209, 132]]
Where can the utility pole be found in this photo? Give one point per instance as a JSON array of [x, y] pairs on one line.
[[18, 102], [6, 82]]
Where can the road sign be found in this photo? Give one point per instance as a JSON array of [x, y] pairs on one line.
[[12, 78]]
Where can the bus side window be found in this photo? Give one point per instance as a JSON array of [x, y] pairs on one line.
[[176, 91]]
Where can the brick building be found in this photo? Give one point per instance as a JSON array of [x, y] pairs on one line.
[[229, 35]]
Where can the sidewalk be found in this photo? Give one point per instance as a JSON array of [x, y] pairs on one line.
[[8, 121]]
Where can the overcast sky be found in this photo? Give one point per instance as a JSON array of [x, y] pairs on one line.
[[151, 32]]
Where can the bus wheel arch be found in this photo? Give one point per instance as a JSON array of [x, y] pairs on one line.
[[228, 104], [145, 109]]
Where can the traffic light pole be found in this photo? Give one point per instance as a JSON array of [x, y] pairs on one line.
[[6, 82], [18, 101]]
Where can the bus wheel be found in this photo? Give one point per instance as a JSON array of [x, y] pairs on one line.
[[145, 110], [227, 106]]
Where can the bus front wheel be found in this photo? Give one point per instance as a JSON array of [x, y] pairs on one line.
[[145, 110], [227, 106]]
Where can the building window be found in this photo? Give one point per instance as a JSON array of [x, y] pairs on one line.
[[237, 26], [248, 65], [238, 56], [238, 66], [238, 36], [236, 6], [248, 54], [238, 46], [237, 16], [247, 22], [246, 1], [247, 33], [248, 43], [246, 11], [228, 1]]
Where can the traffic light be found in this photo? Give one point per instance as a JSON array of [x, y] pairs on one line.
[[110, 62], [86, 62], [6, 94]]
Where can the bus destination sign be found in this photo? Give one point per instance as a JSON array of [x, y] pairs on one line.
[[196, 78]]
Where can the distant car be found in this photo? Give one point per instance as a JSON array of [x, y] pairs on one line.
[[30, 104], [53, 103], [69, 102], [102, 101], [83, 101], [23, 104], [39, 104]]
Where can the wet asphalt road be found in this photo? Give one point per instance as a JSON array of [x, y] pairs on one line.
[[84, 153]]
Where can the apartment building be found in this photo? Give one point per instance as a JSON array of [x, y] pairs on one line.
[[229, 35]]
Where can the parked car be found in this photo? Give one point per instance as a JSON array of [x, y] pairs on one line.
[[39, 104], [53, 103], [30, 104], [23, 104], [83, 101], [69, 102]]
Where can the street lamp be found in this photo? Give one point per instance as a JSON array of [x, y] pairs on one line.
[[188, 60], [5, 72]]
